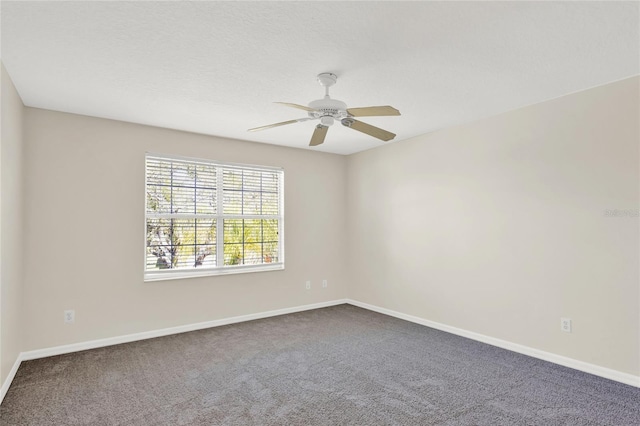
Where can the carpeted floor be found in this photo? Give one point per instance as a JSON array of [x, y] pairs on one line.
[[335, 366]]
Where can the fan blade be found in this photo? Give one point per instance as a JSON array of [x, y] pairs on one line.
[[318, 135], [269, 126], [368, 129], [374, 111], [296, 106]]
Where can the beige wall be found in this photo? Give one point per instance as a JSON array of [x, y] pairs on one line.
[[85, 231], [499, 226], [11, 230]]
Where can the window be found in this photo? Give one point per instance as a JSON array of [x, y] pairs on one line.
[[208, 218]]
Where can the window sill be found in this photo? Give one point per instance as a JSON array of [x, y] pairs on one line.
[[178, 275]]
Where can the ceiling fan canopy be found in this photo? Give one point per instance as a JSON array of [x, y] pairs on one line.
[[329, 110]]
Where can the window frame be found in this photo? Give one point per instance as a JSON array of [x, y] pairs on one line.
[[219, 269]]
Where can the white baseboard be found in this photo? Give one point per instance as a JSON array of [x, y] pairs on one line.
[[607, 373], [99, 343], [93, 344], [9, 379]]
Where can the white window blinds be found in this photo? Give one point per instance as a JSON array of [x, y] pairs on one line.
[[207, 217]]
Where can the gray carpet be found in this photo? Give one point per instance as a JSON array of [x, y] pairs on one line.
[[335, 366]]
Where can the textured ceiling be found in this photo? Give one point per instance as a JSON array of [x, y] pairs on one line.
[[216, 67]]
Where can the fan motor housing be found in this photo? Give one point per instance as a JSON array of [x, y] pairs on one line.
[[328, 108]]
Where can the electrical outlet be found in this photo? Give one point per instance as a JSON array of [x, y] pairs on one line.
[[308, 285], [324, 283], [69, 316], [565, 325]]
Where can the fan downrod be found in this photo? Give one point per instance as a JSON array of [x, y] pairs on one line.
[[327, 109]]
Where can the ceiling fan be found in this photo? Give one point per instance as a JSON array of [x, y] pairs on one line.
[[329, 110]]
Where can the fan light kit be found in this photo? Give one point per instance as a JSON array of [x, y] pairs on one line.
[[329, 110]]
